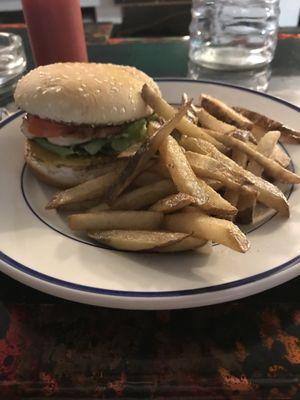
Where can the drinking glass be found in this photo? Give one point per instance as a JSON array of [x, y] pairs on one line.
[[12, 57], [233, 34]]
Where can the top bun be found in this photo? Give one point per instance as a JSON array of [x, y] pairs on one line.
[[84, 93]]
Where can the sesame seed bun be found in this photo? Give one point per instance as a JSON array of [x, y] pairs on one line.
[[84, 93]]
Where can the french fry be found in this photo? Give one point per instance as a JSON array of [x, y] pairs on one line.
[[246, 205], [138, 162], [99, 207], [213, 126], [146, 178], [258, 132], [216, 204], [186, 244], [209, 121], [160, 168], [266, 147], [162, 195], [268, 194], [246, 208], [153, 127], [187, 182], [180, 170], [191, 115], [216, 185], [280, 156], [173, 203], [92, 189], [209, 228], [241, 159], [222, 111], [107, 220], [134, 240], [270, 166], [207, 167], [80, 206], [144, 196], [262, 125], [166, 111], [268, 124]]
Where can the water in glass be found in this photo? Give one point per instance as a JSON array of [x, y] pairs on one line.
[[233, 34]]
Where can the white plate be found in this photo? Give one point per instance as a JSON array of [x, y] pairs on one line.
[[38, 249]]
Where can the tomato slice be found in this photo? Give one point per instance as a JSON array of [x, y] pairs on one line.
[[45, 128]]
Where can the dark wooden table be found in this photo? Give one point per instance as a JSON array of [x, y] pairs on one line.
[[247, 349]]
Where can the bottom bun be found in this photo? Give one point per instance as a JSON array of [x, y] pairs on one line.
[[64, 173]]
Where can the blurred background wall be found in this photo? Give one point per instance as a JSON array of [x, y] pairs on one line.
[[140, 17]]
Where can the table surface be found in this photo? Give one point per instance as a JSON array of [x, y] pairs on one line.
[[247, 349]]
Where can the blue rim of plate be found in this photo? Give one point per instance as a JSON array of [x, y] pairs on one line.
[[176, 293]]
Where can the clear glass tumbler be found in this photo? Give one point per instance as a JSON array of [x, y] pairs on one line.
[[233, 34], [12, 57]]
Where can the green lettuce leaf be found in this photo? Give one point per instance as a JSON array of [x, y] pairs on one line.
[[62, 151], [133, 133], [94, 146]]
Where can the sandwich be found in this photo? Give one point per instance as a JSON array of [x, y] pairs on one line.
[[79, 117]]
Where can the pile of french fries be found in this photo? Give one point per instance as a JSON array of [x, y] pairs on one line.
[[201, 170]]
